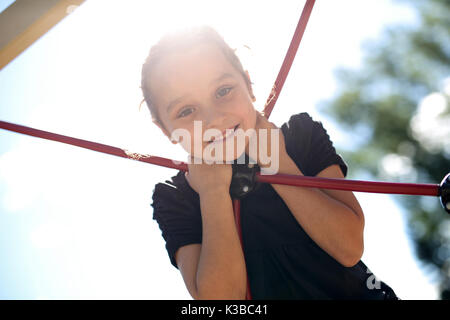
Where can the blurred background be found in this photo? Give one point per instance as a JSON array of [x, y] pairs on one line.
[[77, 224]]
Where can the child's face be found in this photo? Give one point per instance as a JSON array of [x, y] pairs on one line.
[[202, 85]]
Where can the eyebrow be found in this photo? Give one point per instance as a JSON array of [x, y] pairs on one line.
[[223, 76], [176, 101], [173, 103]]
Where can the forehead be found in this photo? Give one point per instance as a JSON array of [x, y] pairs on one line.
[[188, 72]]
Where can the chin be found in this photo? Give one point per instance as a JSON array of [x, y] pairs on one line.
[[226, 156]]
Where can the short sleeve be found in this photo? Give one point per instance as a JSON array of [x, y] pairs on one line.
[[310, 146], [178, 217]]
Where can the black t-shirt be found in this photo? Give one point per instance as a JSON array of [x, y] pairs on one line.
[[282, 261]]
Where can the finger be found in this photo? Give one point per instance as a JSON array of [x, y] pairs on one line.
[[261, 116]]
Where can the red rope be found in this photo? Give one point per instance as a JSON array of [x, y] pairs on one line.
[[103, 148], [301, 181], [325, 183], [237, 219], [279, 82], [351, 185], [289, 58]]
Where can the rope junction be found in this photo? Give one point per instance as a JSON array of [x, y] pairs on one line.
[[245, 179]]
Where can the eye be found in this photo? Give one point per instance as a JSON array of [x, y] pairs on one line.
[[184, 113], [223, 92]]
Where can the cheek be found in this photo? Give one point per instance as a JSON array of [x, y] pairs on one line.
[[192, 143], [244, 109], [250, 117]]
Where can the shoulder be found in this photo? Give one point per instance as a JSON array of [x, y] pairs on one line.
[[300, 129], [309, 145], [296, 119], [175, 193], [298, 133], [301, 123], [176, 209]]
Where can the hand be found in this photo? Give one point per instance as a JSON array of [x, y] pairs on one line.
[[209, 177], [267, 150]]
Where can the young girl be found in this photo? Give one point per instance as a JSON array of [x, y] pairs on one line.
[[298, 242]]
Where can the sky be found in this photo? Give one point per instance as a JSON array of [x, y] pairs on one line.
[[77, 224]]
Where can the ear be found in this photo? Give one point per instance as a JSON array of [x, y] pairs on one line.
[[249, 86], [166, 133]]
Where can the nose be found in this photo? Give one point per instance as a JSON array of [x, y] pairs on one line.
[[214, 119]]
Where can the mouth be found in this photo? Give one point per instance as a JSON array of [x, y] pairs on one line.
[[226, 135]]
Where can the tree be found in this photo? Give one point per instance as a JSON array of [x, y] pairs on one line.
[[398, 102]]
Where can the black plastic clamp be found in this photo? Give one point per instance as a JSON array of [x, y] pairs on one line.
[[243, 180], [444, 192]]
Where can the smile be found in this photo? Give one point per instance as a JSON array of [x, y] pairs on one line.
[[229, 134]]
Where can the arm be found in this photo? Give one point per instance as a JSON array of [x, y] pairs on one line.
[[333, 219], [216, 268]]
